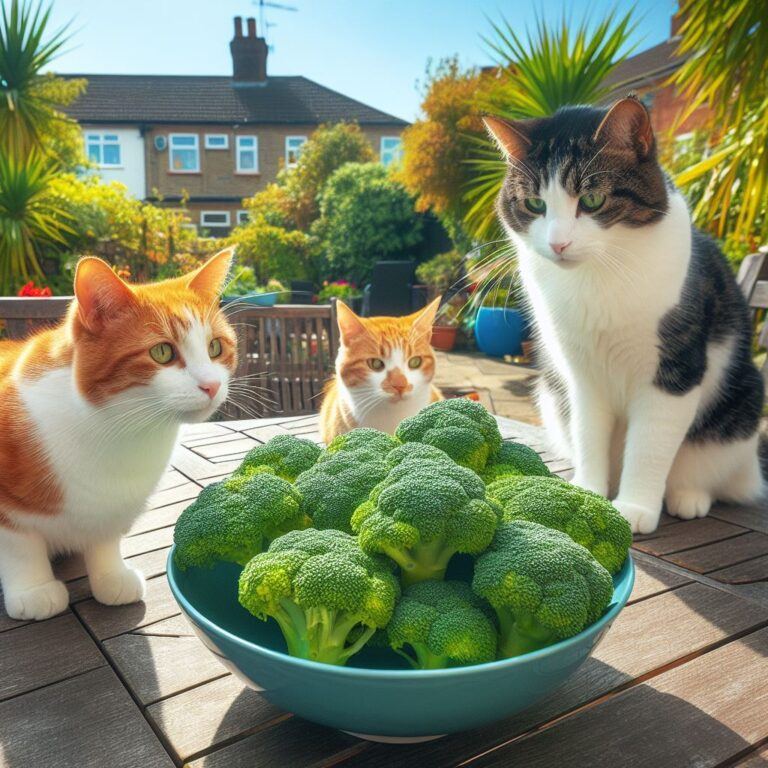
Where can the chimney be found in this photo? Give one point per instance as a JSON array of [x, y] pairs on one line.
[[249, 55]]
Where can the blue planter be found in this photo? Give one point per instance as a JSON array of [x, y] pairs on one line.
[[500, 331], [258, 299]]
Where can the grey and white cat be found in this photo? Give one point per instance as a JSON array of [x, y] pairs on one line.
[[644, 336]]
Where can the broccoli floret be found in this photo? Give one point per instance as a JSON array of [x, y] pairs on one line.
[[285, 455], [543, 586], [326, 594], [333, 488], [514, 460], [445, 624], [235, 519], [460, 427], [422, 513], [409, 451], [365, 438], [589, 519]]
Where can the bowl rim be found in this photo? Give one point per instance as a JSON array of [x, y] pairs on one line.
[[621, 595]]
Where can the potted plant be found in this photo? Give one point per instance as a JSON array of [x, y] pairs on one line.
[[446, 325], [341, 289], [440, 272], [243, 287], [500, 328]]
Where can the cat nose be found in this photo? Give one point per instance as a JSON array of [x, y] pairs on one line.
[[558, 248], [400, 387], [210, 388]]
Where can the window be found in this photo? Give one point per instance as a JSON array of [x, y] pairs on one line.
[[391, 150], [103, 149], [184, 153], [293, 145], [247, 154], [243, 217], [214, 219], [216, 141]]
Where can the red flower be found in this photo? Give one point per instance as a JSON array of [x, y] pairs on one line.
[[30, 289]]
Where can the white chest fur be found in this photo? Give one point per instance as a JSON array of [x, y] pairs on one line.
[[107, 460]]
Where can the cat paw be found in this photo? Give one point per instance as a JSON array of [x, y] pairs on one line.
[[37, 603], [118, 587], [641, 519], [688, 504]]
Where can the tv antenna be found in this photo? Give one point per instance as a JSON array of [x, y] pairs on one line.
[[263, 5]]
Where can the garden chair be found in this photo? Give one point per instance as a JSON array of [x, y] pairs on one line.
[[390, 290], [753, 279]]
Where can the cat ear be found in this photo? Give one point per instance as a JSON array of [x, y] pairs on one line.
[[511, 137], [628, 125], [350, 325], [210, 279], [424, 320], [100, 293]]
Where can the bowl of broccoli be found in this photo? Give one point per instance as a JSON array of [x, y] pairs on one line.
[[401, 588]]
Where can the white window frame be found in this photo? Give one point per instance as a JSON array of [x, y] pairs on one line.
[[243, 216], [255, 149], [212, 136], [288, 139], [381, 148], [217, 224], [196, 147], [99, 137]]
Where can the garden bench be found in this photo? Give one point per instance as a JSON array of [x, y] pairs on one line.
[[681, 679]]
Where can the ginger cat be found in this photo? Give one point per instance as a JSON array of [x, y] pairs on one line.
[[384, 372], [89, 413]]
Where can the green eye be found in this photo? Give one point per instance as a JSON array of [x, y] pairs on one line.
[[414, 362], [535, 204], [162, 353], [214, 348], [592, 201], [376, 364]]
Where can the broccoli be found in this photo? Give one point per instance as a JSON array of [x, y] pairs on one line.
[[461, 428], [422, 513], [326, 594], [408, 451], [514, 460], [543, 586], [333, 488], [285, 455], [235, 519], [363, 438], [589, 519], [445, 624]]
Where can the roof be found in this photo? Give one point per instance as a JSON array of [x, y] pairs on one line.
[[647, 66], [214, 99]]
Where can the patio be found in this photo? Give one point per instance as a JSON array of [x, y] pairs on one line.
[[686, 663]]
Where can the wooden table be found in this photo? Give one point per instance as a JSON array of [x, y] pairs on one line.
[[681, 679]]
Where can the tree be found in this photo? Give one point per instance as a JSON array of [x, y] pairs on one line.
[[725, 42], [553, 68], [436, 145], [365, 215]]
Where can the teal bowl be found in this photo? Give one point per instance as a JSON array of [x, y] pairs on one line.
[[376, 696]]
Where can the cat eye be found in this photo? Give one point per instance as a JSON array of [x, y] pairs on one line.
[[162, 353], [535, 204], [376, 364], [214, 348], [592, 201], [414, 362]]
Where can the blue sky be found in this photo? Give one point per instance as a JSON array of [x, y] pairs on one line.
[[372, 50]]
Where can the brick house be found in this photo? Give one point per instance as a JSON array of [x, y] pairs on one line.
[[214, 139]]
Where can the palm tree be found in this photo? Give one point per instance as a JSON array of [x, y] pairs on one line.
[[726, 42], [554, 67]]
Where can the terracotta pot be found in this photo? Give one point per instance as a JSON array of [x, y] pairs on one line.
[[443, 337], [528, 348]]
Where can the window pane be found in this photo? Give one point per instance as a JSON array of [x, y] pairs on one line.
[[110, 137], [247, 160], [184, 159], [94, 153], [111, 154], [215, 218], [184, 141], [246, 141]]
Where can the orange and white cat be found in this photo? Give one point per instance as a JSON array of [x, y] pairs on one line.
[[89, 413], [384, 372]]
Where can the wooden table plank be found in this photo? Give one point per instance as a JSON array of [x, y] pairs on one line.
[[239, 446], [198, 719], [652, 579], [185, 492], [646, 636], [723, 553], [693, 533], [694, 715], [744, 573], [88, 721], [752, 516], [758, 758], [43, 653], [162, 517]]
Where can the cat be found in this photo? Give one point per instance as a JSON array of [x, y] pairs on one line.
[[89, 414], [384, 372], [644, 336]]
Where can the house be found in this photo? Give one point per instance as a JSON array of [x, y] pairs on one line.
[[214, 140]]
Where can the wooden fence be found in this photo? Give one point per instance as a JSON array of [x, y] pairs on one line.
[[287, 352]]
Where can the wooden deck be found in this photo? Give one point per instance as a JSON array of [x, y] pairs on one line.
[[680, 680]]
